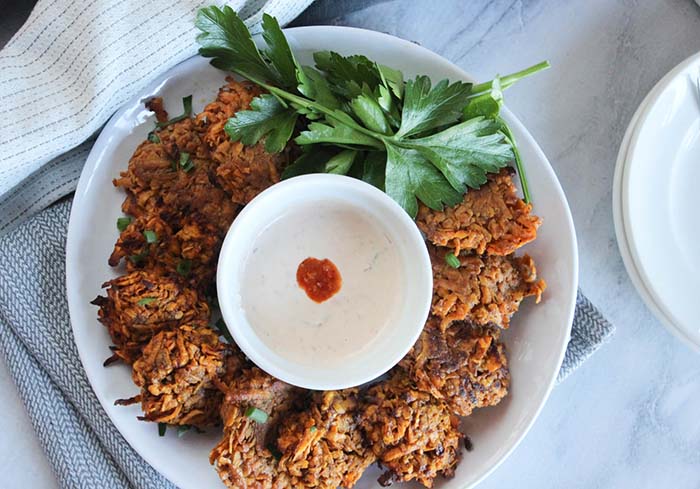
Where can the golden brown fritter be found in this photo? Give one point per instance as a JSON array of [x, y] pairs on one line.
[[323, 446], [133, 244], [148, 176], [140, 304], [492, 219], [232, 97], [174, 176], [466, 366], [189, 255], [242, 171], [156, 106], [177, 373], [485, 289], [243, 458], [158, 185], [184, 206], [414, 435]]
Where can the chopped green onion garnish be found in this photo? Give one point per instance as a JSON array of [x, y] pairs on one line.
[[187, 105], [182, 429], [153, 137], [161, 429], [136, 259], [186, 162], [312, 429], [452, 260], [151, 236], [122, 223], [146, 300], [184, 267], [223, 330], [257, 415]]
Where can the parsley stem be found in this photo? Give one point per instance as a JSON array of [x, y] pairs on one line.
[[505, 129], [509, 80], [320, 108], [305, 102]]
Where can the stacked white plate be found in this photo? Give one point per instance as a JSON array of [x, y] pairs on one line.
[[656, 200]]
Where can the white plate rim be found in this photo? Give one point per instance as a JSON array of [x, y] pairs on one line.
[[629, 255], [76, 210]]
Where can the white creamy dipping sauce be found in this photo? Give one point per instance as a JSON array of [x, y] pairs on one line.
[[295, 327]]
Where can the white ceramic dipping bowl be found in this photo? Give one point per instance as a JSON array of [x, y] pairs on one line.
[[410, 293]]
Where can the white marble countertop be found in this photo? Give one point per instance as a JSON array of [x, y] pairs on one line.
[[629, 417]]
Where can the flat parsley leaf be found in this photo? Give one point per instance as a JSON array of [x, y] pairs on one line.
[[311, 161], [409, 175], [488, 104], [426, 108], [314, 85], [348, 75], [278, 52], [266, 117], [340, 164], [336, 133], [374, 169], [226, 39], [392, 79], [465, 152], [368, 110], [388, 105]]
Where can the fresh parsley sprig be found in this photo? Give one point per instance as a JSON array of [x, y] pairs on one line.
[[414, 140]]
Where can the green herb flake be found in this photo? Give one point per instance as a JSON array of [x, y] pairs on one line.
[[452, 260], [184, 267], [186, 162], [257, 415], [146, 300], [187, 112], [313, 429], [123, 223], [162, 427], [138, 258], [151, 236], [153, 137]]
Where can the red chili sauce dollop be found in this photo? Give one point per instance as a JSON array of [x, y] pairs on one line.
[[320, 279]]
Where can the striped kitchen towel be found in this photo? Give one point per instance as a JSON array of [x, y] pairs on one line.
[[70, 67]]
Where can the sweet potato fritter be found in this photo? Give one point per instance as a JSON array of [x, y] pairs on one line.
[[492, 220], [157, 184], [414, 435], [484, 290], [323, 446], [242, 171], [189, 255], [243, 458], [141, 304], [177, 373], [466, 366], [188, 213]]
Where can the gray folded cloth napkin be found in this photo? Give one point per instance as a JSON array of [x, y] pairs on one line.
[[92, 56]]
